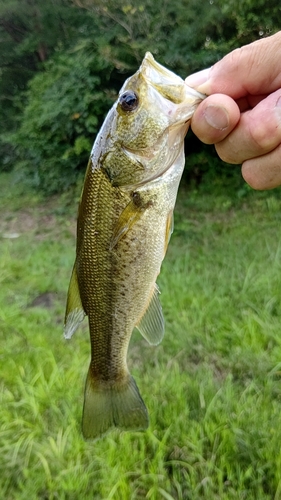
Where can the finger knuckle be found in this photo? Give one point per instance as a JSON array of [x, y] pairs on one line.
[[263, 134]]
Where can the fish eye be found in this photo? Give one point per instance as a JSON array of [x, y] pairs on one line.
[[129, 100]]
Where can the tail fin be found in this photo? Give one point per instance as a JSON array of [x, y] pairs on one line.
[[107, 405]]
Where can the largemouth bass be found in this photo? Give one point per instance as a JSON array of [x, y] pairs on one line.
[[123, 229]]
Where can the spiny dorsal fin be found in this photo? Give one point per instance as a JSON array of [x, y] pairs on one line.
[[151, 325], [74, 310]]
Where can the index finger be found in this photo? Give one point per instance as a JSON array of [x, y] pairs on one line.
[[251, 70]]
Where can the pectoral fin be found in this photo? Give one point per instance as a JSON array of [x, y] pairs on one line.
[[74, 310], [151, 325], [169, 228], [128, 218]]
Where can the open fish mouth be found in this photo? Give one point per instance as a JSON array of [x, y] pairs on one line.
[[167, 83]]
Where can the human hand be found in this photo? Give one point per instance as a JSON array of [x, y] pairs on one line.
[[242, 115]]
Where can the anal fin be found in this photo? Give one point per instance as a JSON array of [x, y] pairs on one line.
[[74, 310], [151, 325]]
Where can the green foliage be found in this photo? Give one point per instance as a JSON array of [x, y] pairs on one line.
[[177, 33], [185, 35], [253, 18], [212, 387], [65, 105], [30, 31]]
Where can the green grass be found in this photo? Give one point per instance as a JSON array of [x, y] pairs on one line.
[[213, 387]]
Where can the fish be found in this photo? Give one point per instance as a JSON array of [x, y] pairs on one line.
[[125, 220]]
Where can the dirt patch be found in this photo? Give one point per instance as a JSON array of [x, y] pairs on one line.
[[40, 222]]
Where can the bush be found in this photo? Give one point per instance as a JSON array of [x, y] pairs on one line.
[[65, 106]]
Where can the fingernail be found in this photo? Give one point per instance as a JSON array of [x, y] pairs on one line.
[[198, 79], [217, 117]]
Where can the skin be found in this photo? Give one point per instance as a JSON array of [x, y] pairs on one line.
[[242, 113]]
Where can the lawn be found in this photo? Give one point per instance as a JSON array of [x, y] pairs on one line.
[[212, 387]]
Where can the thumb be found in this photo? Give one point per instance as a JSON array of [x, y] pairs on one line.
[[251, 70]]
